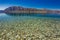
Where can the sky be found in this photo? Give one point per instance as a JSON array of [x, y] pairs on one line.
[[49, 4]]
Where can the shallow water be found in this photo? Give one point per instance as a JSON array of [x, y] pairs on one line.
[[31, 27]]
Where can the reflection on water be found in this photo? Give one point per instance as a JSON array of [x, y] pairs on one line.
[[10, 17], [2, 14]]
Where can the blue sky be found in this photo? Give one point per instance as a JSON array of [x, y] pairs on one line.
[[49, 4]]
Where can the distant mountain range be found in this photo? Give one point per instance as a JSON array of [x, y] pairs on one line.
[[19, 9], [1, 11]]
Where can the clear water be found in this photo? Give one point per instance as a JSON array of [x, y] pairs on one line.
[[33, 25], [6, 17]]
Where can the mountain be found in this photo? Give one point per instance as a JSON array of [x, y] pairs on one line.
[[19, 9], [1, 11]]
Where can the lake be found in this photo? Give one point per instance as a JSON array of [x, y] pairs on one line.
[[29, 27], [9, 17]]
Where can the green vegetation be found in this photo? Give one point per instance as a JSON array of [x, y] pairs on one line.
[[30, 29]]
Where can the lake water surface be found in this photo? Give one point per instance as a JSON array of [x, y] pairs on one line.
[[6, 17], [29, 27]]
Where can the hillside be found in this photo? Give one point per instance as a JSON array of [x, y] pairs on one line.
[[1, 11], [18, 9]]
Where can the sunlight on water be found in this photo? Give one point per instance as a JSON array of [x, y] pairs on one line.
[[2, 14]]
